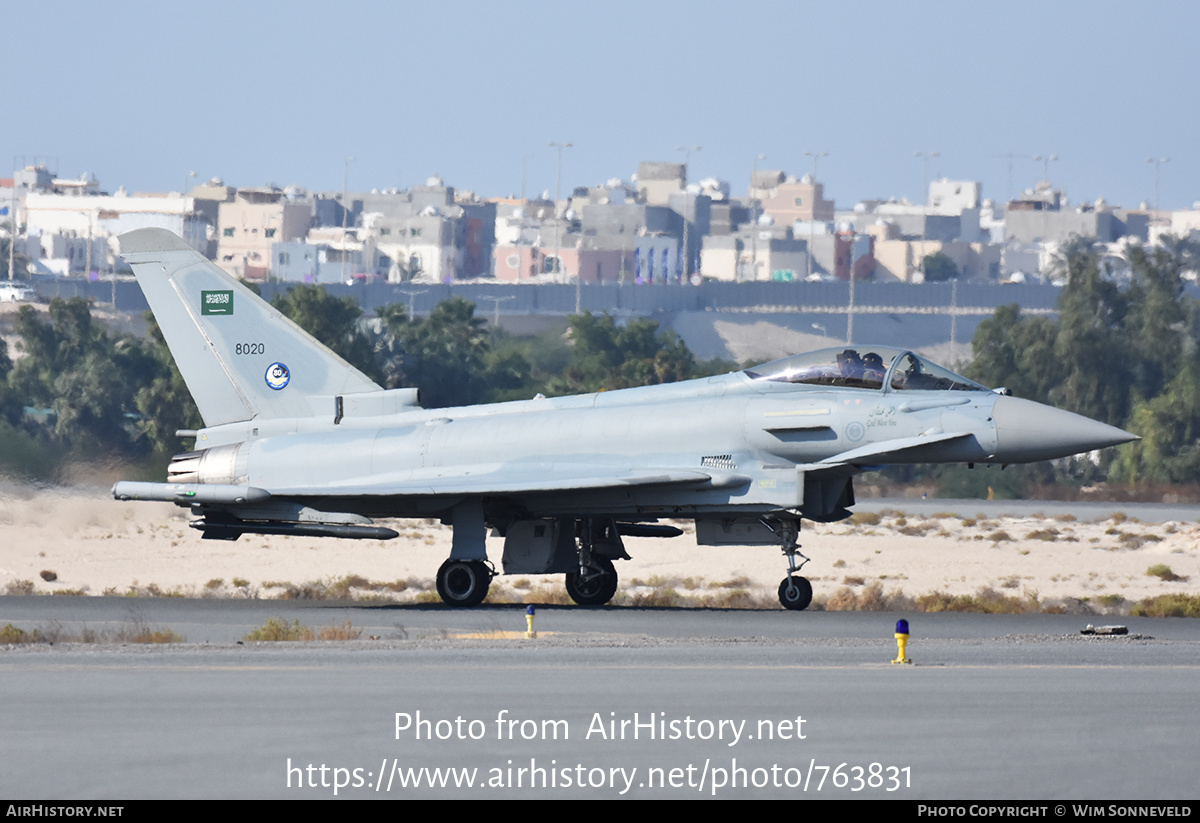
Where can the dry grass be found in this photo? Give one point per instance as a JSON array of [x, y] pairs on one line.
[[865, 519], [343, 632], [277, 629], [871, 599], [136, 631], [987, 600], [1163, 572], [348, 587], [1168, 605]]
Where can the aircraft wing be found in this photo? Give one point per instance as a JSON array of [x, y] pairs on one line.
[[503, 480]]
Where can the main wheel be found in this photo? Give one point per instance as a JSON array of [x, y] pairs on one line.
[[597, 589], [795, 593], [463, 582]]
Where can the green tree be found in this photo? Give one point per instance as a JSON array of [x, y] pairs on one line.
[[446, 354], [165, 404], [606, 356], [87, 378], [332, 320], [1169, 425], [939, 267], [1154, 323], [1091, 311], [10, 406], [1016, 352]]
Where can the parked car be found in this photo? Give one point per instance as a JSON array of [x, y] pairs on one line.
[[16, 293]]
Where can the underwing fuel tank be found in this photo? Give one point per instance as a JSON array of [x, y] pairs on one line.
[[188, 493]]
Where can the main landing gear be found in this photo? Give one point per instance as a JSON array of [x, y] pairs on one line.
[[795, 592], [593, 585], [464, 582], [595, 581]]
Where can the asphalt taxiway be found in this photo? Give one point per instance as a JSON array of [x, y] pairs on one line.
[[605, 702]]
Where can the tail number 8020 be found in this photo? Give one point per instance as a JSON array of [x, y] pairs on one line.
[[250, 348]]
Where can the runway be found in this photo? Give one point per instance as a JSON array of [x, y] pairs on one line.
[[605, 703]]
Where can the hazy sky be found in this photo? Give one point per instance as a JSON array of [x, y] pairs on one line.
[[141, 93]]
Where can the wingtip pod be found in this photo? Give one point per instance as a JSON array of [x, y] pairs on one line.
[[142, 241]]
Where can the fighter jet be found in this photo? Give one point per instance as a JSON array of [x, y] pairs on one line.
[[298, 442]]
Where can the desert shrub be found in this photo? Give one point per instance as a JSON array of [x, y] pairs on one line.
[[277, 629], [343, 632], [987, 600], [11, 635], [1163, 572], [865, 519], [843, 600], [870, 599], [1168, 605]]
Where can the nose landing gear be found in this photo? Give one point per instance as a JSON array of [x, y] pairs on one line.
[[795, 592]]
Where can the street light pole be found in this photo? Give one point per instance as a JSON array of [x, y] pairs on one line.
[[815, 155], [1046, 159], [1157, 161], [754, 203], [345, 210], [850, 310], [12, 234], [558, 266], [687, 198], [925, 155]]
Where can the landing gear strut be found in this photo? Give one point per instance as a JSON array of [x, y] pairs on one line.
[[795, 592], [595, 582], [463, 582], [593, 586]]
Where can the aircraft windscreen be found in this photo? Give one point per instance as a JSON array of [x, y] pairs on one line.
[[864, 367], [856, 368], [913, 373]]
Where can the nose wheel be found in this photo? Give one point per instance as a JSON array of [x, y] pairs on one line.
[[795, 592]]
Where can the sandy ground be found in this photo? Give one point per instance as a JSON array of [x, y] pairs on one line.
[[95, 544]]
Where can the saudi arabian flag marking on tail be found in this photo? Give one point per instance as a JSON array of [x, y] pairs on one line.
[[216, 302]]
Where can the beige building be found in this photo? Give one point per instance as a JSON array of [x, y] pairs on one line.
[[656, 182], [754, 253], [897, 258], [251, 222], [788, 200], [420, 246], [78, 231]]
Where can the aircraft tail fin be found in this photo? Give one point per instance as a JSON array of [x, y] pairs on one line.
[[240, 357]]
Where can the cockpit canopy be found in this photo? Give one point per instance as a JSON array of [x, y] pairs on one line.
[[864, 367]]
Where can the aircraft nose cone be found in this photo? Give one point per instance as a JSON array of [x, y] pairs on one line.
[[1028, 431]]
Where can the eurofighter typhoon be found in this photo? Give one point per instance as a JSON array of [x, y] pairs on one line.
[[298, 442]]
